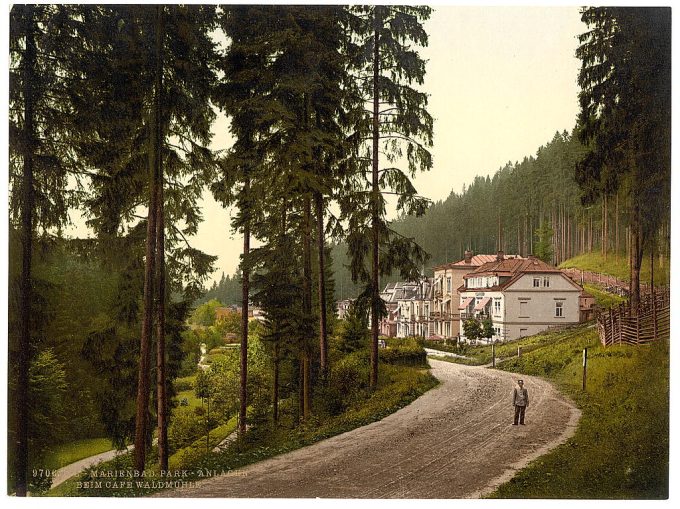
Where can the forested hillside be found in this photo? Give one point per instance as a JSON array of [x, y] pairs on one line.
[[532, 206]]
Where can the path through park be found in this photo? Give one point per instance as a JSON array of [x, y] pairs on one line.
[[456, 441]]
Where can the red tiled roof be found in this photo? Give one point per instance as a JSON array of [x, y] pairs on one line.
[[514, 268], [476, 261], [510, 267]]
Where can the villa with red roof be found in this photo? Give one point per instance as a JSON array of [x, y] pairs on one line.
[[521, 296], [448, 277]]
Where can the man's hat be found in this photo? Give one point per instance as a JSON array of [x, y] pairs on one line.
[[520, 381]]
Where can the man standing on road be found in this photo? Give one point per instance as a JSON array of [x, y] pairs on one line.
[[520, 399]]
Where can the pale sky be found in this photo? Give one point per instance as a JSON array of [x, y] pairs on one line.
[[501, 81]]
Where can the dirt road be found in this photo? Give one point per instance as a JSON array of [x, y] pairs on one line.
[[456, 441]]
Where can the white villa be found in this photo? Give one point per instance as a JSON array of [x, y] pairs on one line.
[[521, 296], [448, 278], [413, 309]]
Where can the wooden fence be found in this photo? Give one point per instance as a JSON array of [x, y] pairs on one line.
[[618, 325]]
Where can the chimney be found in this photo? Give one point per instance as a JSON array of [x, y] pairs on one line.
[[500, 256], [468, 257]]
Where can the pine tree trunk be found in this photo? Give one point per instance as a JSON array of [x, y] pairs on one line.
[[161, 388], [143, 380], [22, 401], [375, 291], [275, 390], [605, 229], [323, 338], [636, 259], [307, 303], [616, 224], [245, 294]]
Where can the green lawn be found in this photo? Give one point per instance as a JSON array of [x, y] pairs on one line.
[[617, 265], [65, 454], [620, 448], [481, 354], [603, 299], [191, 398]]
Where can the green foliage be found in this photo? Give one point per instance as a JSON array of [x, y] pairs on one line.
[[47, 383], [353, 333], [403, 351], [205, 313], [348, 379], [229, 323], [544, 245], [185, 427], [472, 329], [487, 331], [193, 454]]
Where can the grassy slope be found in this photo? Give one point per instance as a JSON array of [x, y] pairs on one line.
[[617, 265], [620, 449], [64, 454]]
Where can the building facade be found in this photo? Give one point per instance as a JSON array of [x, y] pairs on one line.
[[448, 278], [413, 309], [521, 297]]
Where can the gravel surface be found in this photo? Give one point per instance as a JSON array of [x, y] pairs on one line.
[[455, 441]]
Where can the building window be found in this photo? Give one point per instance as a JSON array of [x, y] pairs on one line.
[[558, 309], [448, 285], [497, 306], [537, 282], [523, 309], [546, 281]]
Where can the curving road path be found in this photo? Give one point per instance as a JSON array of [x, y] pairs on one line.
[[455, 441]]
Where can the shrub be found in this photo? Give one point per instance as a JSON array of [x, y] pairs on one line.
[[406, 352], [185, 427], [348, 377], [184, 384]]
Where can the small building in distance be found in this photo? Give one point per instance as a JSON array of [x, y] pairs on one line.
[[413, 309], [342, 307], [521, 296]]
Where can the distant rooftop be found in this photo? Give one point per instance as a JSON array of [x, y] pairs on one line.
[[475, 261]]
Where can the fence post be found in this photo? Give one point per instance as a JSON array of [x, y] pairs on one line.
[[585, 365], [493, 354], [519, 352]]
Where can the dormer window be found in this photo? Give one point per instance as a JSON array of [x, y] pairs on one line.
[[537, 282]]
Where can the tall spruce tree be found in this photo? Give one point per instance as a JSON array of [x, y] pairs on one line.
[[244, 94], [41, 162], [150, 116], [625, 116], [398, 125], [285, 86]]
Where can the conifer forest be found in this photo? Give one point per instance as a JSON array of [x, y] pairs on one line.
[[123, 334]]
